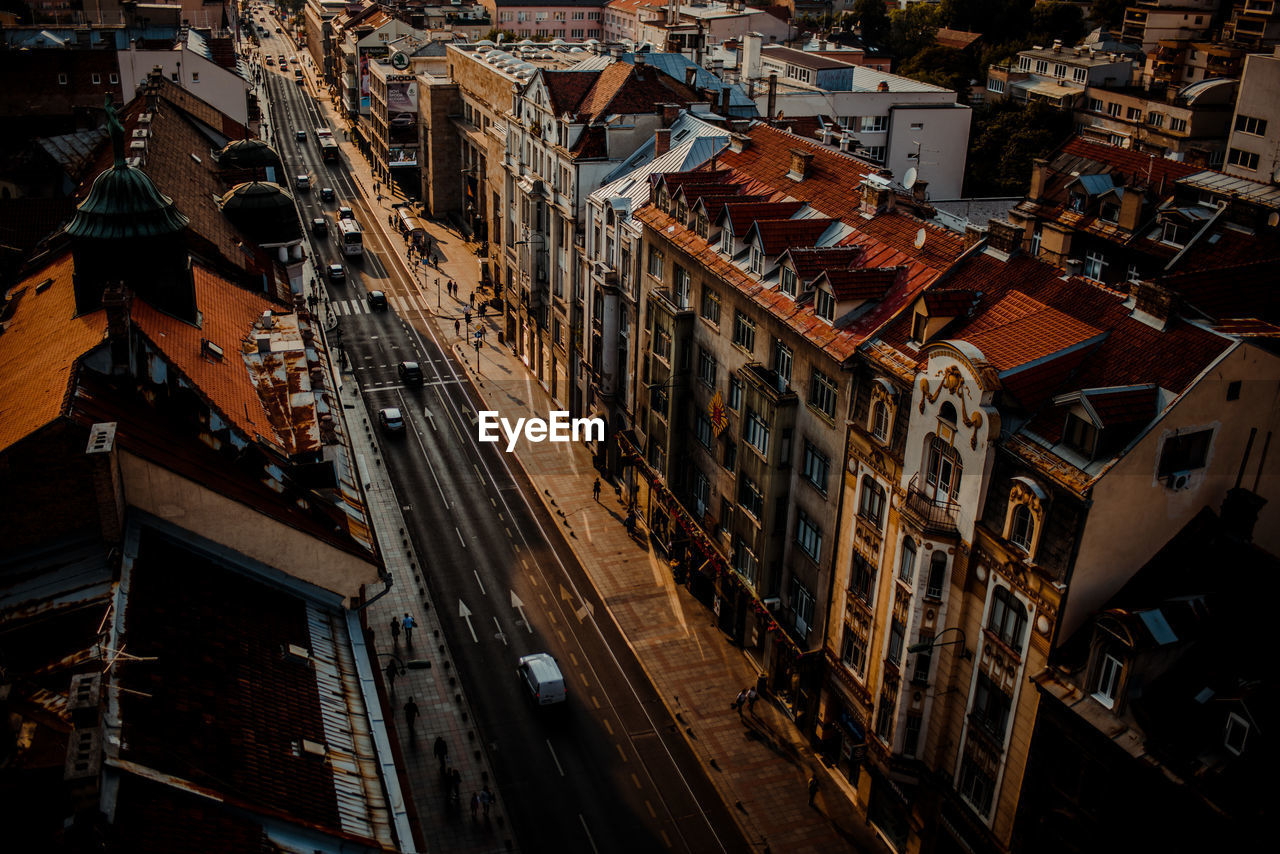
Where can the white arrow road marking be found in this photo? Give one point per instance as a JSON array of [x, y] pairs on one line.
[[519, 606], [430, 417], [581, 613], [465, 613]]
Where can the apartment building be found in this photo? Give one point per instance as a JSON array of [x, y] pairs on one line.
[[1188, 124], [571, 20], [1149, 22], [1253, 151], [1059, 75], [1180, 63]]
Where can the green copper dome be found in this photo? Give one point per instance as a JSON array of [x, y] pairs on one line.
[[249, 154]]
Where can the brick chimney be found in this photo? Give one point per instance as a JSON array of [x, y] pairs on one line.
[[1130, 208], [1004, 236], [669, 113], [801, 164], [661, 141], [877, 195], [1152, 304], [1039, 176]]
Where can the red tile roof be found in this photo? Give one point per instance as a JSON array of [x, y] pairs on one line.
[[619, 88], [862, 284], [809, 262], [742, 215], [1117, 406], [1134, 165], [777, 234], [565, 89], [948, 302]]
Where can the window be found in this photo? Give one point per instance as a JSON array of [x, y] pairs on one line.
[[824, 305], [703, 430], [1233, 390], [750, 498], [661, 342], [62, 80], [885, 713], [1080, 435], [706, 368], [990, 707], [817, 466], [711, 306], [787, 281], [853, 651], [995, 85], [1184, 453], [808, 535], [802, 607], [1156, 120], [919, 326], [874, 153], [195, 77], [1107, 686], [1243, 159], [1021, 527], [744, 562], [1178, 125], [937, 575], [726, 239], [1094, 265], [701, 493], [907, 560], [755, 432], [1042, 66], [897, 637], [880, 420], [656, 259], [1008, 617], [1080, 75], [1113, 109], [943, 474], [875, 124], [1059, 70], [911, 737], [1024, 63], [1251, 125], [920, 673], [1108, 212], [1237, 733], [757, 259], [1094, 105], [113, 78], [862, 579], [95, 79], [744, 331], [871, 505], [782, 364], [976, 786], [822, 394], [1133, 114], [680, 286], [735, 393]]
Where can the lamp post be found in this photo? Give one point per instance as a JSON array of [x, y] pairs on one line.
[[926, 646]]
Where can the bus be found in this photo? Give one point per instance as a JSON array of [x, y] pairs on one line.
[[328, 145], [350, 238]]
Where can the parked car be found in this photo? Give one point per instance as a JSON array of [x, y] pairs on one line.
[[327, 194], [410, 373], [377, 301], [337, 273], [391, 420], [277, 29], [319, 226]]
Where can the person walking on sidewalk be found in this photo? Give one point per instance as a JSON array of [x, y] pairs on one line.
[[738, 703], [410, 715], [395, 631], [813, 788], [441, 750], [475, 806], [455, 784], [392, 673], [595, 490], [471, 299], [486, 801], [409, 624], [752, 696], [457, 327]]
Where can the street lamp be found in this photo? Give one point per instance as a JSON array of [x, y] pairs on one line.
[[926, 646]]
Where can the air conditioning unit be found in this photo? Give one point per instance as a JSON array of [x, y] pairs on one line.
[[1178, 480], [773, 603]]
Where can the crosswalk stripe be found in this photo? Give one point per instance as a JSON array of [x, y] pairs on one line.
[[341, 306]]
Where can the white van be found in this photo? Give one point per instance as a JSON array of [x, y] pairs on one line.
[[541, 675]]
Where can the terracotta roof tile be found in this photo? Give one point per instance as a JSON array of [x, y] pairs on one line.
[[628, 89], [1029, 331], [1124, 405], [565, 89], [948, 302], [862, 284], [39, 348], [778, 234], [1145, 168], [809, 261], [742, 215]]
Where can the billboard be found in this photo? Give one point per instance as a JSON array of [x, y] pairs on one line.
[[407, 156], [402, 97]]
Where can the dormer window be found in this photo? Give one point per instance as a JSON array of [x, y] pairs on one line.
[[880, 420], [824, 305], [787, 281], [700, 224], [726, 239], [1106, 683], [1109, 212], [919, 326], [1080, 435], [1175, 234], [1021, 527], [1237, 733], [757, 259]]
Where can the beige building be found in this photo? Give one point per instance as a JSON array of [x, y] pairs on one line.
[[1188, 124], [1253, 150]]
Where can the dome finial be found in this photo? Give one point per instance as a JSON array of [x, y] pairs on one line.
[[116, 129]]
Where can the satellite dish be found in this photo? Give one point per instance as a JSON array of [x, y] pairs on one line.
[[1273, 219], [921, 235], [909, 180]]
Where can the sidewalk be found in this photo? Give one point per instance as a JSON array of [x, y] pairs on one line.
[[760, 764]]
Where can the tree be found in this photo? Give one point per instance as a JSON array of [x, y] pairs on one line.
[[942, 66], [1108, 13], [873, 21], [1051, 21], [912, 29], [1004, 140]]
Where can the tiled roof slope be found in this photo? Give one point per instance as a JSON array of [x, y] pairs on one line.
[[219, 704], [777, 234], [630, 89], [566, 89], [40, 345]]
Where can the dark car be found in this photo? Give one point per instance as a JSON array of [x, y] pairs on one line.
[[337, 273], [319, 226], [391, 420], [277, 29], [410, 373], [377, 301], [345, 212], [300, 136], [327, 194], [270, 61]]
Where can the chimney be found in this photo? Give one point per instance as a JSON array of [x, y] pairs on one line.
[[877, 195], [1039, 176], [773, 94], [1004, 236], [1152, 304], [1239, 513], [1073, 266], [750, 65], [108, 488], [919, 191], [724, 100], [669, 113], [690, 75], [973, 234], [661, 141], [801, 164], [882, 86], [116, 300], [1130, 208]]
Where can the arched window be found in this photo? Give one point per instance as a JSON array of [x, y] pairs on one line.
[[942, 476], [1008, 618], [947, 413], [880, 421], [872, 506], [937, 575], [907, 563], [1021, 527]]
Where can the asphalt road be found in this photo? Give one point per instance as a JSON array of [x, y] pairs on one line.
[[608, 770]]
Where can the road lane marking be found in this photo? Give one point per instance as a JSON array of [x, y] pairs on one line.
[[649, 807], [574, 659], [464, 542], [594, 701], [519, 607], [555, 758], [465, 613], [501, 634], [583, 679], [588, 833], [636, 780], [607, 727], [476, 573], [621, 752]]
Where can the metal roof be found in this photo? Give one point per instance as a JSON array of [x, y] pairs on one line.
[[1229, 185], [74, 151]]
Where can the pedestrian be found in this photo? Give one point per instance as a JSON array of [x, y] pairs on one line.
[[595, 489], [475, 806], [410, 713], [457, 327], [471, 299], [466, 316], [631, 522], [395, 631], [455, 782], [482, 311], [741, 699], [409, 624], [813, 788], [752, 696], [376, 186], [392, 673], [486, 800], [441, 750]]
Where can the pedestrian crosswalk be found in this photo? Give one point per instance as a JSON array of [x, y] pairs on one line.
[[347, 307]]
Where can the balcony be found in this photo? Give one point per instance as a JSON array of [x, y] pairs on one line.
[[1259, 7], [933, 515]]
